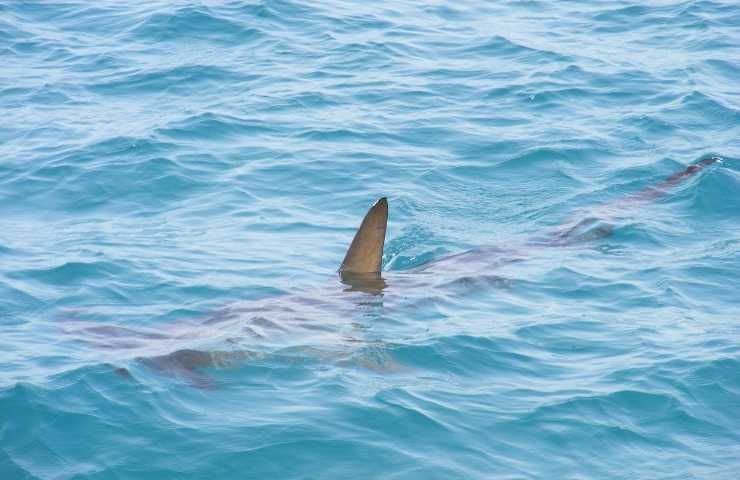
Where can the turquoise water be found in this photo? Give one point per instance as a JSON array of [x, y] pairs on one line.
[[179, 182]]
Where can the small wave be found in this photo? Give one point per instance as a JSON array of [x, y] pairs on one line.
[[210, 126], [180, 79], [193, 24], [500, 46], [468, 356], [16, 300], [73, 272]]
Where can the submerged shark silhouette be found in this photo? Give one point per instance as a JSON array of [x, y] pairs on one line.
[[171, 352]]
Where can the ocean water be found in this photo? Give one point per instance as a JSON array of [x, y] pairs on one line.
[[179, 182]]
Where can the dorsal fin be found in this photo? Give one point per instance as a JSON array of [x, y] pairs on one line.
[[366, 250]]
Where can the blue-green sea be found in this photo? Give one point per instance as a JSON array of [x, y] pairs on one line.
[[180, 180]]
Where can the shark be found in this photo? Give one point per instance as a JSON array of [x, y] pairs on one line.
[[254, 328]]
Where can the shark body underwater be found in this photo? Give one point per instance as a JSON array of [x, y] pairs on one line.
[[183, 350]]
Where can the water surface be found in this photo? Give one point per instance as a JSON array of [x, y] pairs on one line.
[[180, 180]]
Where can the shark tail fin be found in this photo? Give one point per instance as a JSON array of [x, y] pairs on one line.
[[662, 188], [595, 226], [366, 250]]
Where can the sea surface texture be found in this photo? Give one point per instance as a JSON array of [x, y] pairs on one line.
[[179, 182]]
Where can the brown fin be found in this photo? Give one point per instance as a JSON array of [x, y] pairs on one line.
[[366, 251]]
